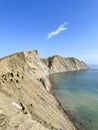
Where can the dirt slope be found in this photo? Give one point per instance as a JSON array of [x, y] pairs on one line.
[[26, 101]]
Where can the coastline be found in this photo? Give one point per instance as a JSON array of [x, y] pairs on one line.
[[31, 87], [78, 125]]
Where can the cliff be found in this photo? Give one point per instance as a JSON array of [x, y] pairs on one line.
[[26, 100], [60, 64]]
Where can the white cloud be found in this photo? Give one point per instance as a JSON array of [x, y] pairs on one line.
[[61, 28]]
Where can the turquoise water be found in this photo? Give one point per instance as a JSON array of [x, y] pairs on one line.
[[78, 93]]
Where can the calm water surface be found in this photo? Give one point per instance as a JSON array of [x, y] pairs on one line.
[[78, 93]]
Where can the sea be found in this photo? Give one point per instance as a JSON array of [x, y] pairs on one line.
[[78, 94]]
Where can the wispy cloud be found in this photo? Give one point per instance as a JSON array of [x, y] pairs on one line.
[[61, 28]]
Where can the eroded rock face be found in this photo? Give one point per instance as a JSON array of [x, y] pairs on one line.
[[3, 120], [60, 64], [26, 101]]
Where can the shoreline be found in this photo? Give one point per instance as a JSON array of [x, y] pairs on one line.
[[25, 80], [78, 125]]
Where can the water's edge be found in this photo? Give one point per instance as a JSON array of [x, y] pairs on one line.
[[78, 125], [78, 94]]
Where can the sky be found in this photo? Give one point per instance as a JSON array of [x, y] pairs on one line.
[[53, 27]]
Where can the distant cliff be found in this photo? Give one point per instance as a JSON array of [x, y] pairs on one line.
[[61, 64], [26, 101]]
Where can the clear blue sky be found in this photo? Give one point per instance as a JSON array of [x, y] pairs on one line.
[[65, 27]]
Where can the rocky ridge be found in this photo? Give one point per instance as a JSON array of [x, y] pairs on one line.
[[60, 64], [26, 100]]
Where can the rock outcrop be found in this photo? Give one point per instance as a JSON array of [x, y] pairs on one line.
[[60, 64], [26, 100]]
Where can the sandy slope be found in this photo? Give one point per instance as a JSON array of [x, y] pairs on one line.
[[26, 101]]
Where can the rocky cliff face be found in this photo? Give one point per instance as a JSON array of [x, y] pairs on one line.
[[60, 64], [26, 101]]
